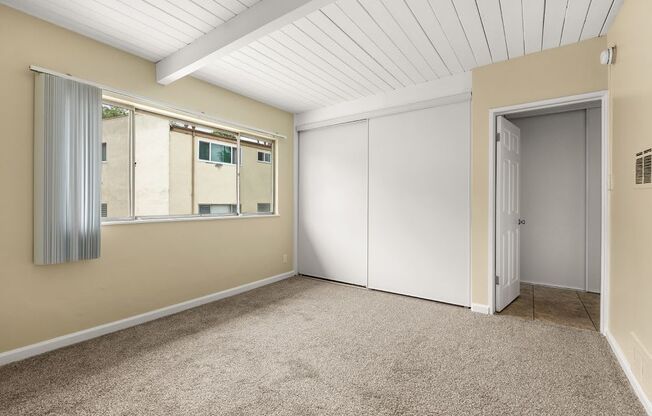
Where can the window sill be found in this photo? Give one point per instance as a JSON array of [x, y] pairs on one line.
[[185, 219]]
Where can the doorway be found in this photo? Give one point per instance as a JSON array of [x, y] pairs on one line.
[[549, 210]]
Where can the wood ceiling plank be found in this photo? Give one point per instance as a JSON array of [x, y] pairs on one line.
[[373, 70], [469, 16], [554, 17], [314, 52], [297, 58], [615, 8], [512, 11], [447, 17], [576, 14], [595, 18], [426, 34], [359, 16], [533, 25], [492, 22], [388, 24], [300, 72], [349, 63]]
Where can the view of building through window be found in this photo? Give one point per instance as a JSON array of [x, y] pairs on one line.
[[180, 168], [116, 162]]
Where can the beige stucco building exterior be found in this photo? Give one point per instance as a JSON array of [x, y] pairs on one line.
[[171, 179]]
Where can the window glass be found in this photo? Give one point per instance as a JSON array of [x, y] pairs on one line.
[[158, 166], [221, 153], [264, 207], [204, 151], [116, 169], [217, 209], [256, 176]]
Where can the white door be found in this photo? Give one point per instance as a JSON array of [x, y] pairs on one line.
[[419, 203], [332, 235], [508, 210]]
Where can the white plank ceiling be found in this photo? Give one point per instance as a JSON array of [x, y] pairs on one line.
[[346, 50]]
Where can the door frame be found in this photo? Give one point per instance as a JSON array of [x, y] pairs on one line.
[[603, 97]]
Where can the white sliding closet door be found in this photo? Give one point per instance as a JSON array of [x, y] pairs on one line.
[[419, 203], [332, 240]]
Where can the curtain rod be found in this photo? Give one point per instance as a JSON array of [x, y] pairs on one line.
[[239, 128]]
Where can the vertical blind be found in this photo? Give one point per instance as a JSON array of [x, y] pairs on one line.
[[67, 152]]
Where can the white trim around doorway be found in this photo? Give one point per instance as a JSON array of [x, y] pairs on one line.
[[603, 96]]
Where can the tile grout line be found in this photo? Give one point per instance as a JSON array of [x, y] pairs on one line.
[[586, 310], [533, 302]]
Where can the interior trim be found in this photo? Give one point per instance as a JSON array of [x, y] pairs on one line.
[[90, 333], [480, 308], [622, 360]]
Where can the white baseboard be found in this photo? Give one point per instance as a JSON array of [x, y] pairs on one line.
[[86, 334], [622, 360], [480, 308]]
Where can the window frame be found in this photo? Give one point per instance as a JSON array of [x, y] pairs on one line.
[[134, 108], [264, 153], [234, 149]]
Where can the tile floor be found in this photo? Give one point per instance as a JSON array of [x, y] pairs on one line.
[[560, 306]]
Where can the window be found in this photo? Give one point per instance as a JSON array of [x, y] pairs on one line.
[[217, 152], [256, 179], [213, 209], [264, 207], [104, 210], [166, 167], [116, 172], [265, 157], [643, 163]]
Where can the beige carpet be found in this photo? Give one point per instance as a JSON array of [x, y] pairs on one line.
[[307, 347]]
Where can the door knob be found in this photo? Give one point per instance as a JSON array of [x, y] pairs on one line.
[[521, 221]]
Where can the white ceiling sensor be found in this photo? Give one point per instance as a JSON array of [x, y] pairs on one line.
[[300, 55], [607, 56]]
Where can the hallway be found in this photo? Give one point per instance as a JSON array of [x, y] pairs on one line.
[[566, 307]]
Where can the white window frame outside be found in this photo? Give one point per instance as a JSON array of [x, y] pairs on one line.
[[210, 150], [264, 152]]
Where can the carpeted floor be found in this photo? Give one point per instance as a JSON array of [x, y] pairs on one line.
[[307, 347]]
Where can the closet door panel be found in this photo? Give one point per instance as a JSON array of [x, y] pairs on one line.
[[332, 234], [419, 214]]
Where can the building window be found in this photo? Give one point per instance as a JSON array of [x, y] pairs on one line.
[[104, 211], [167, 167], [217, 152], [217, 209], [264, 207], [265, 157]]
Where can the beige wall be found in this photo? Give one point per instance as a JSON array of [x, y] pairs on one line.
[[630, 87], [143, 266], [560, 72]]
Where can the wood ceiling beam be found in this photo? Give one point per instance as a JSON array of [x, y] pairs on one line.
[[261, 19]]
